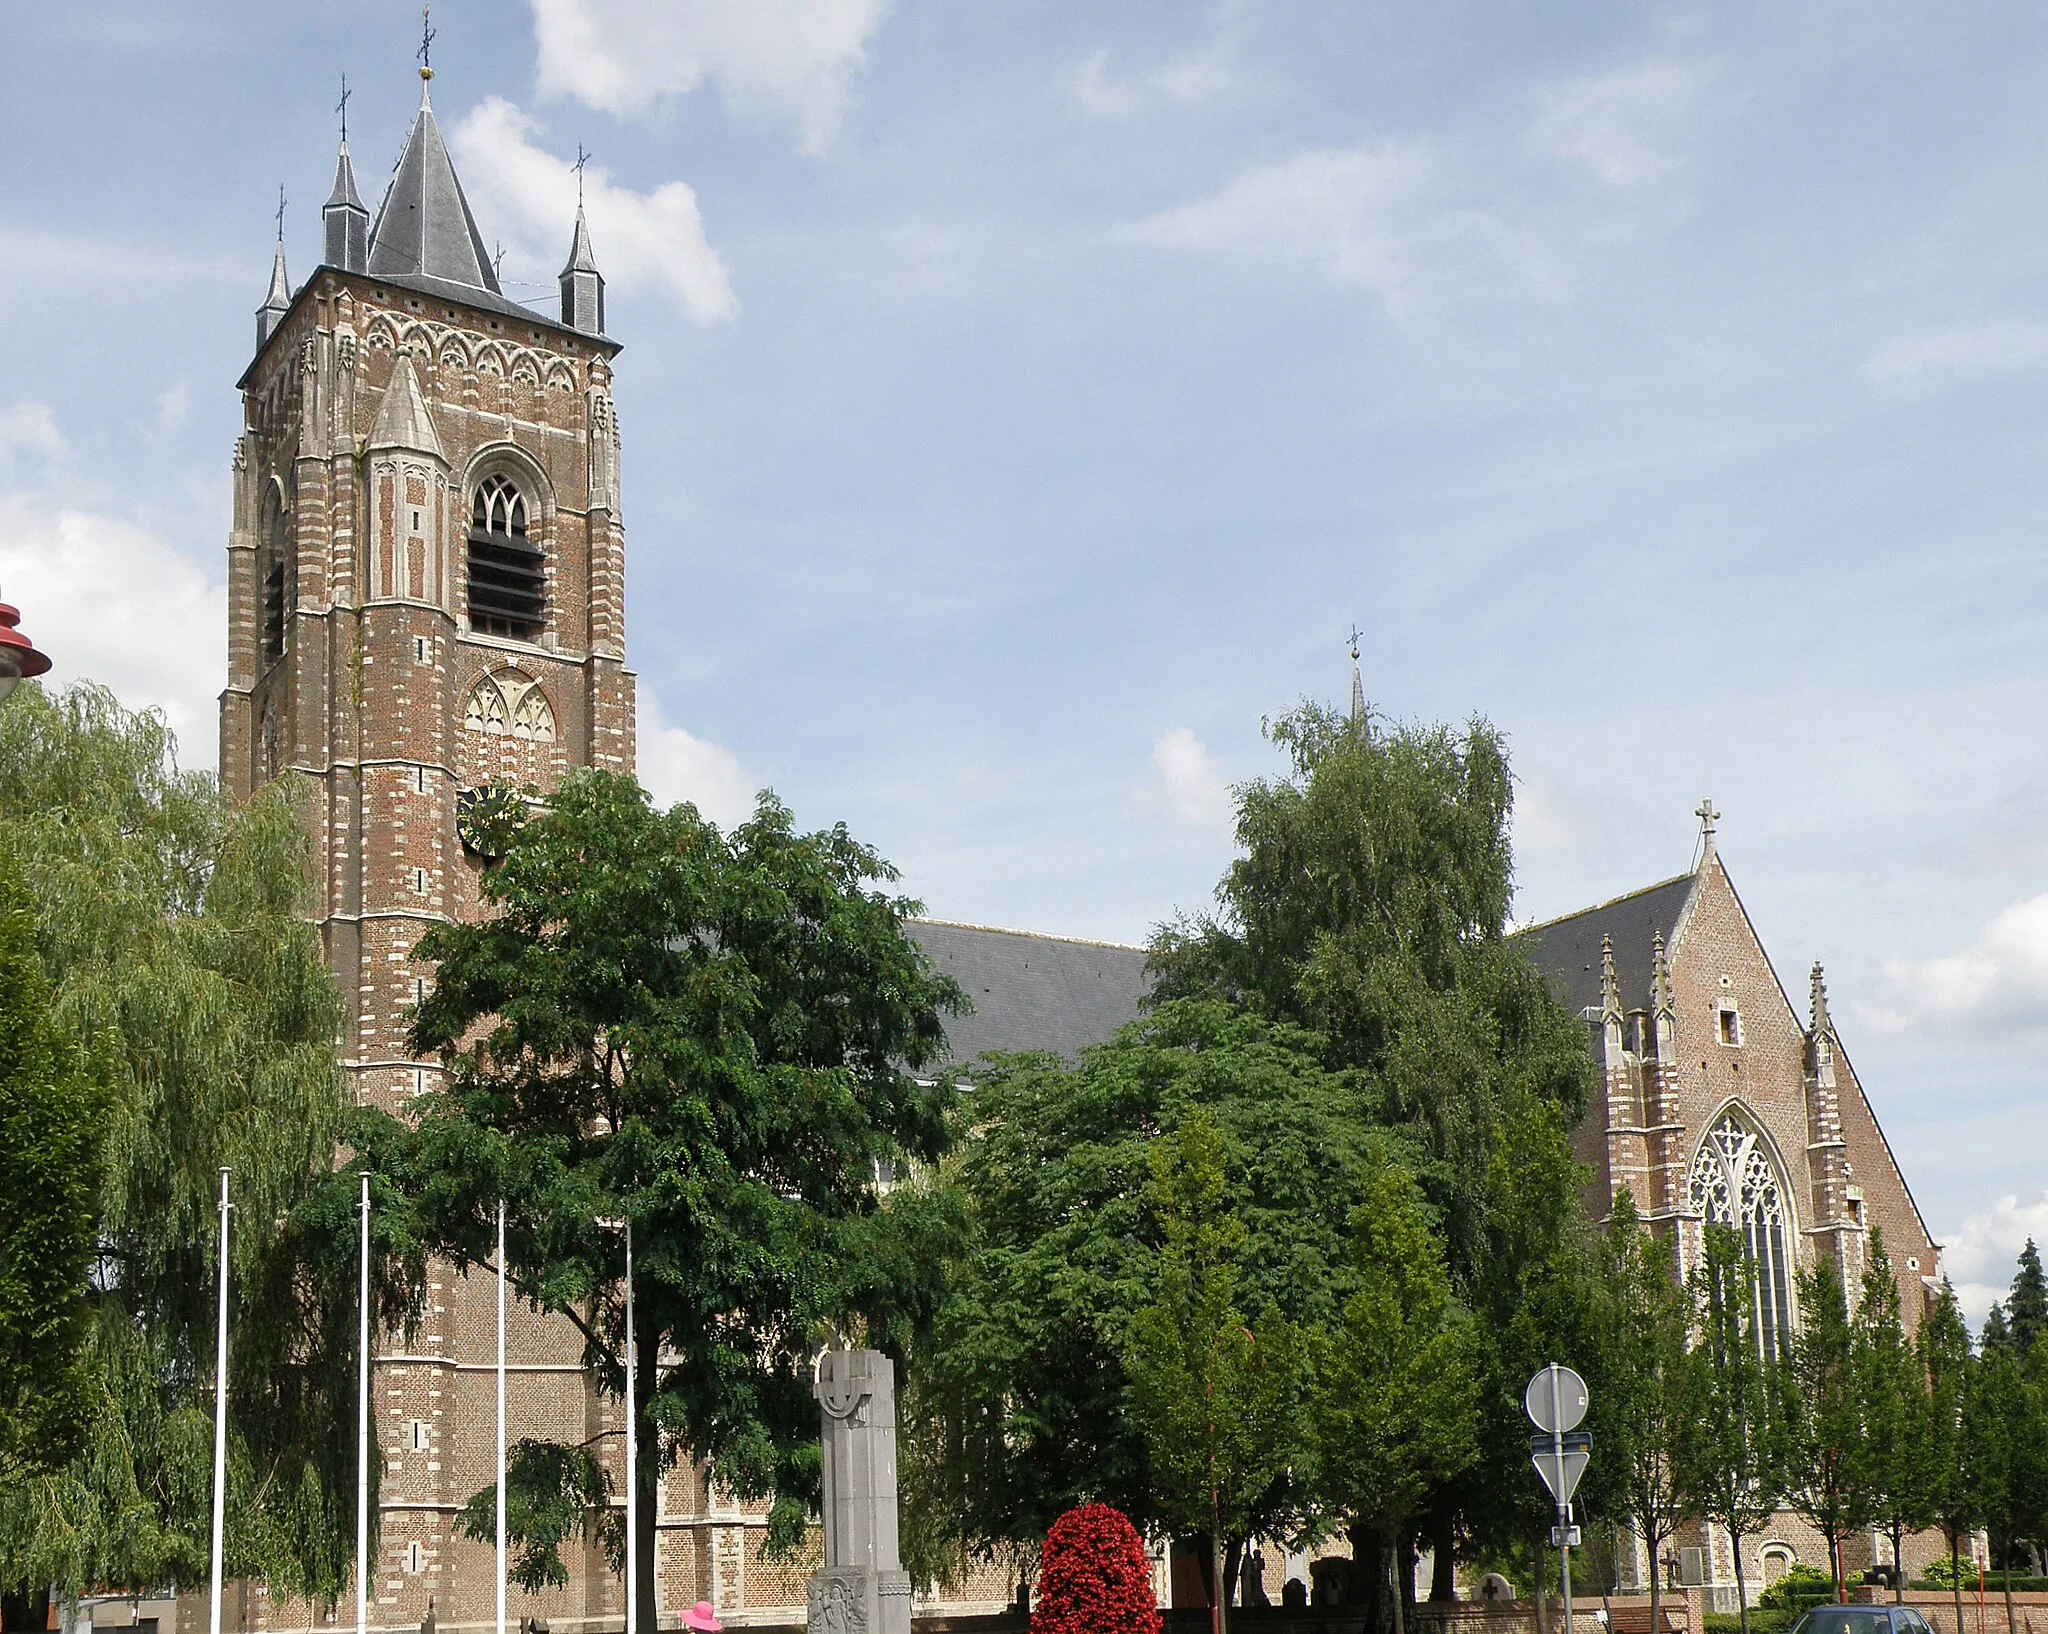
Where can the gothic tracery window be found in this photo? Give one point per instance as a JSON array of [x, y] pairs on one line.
[[1736, 1184], [507, 576]]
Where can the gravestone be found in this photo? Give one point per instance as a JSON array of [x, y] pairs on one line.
[[863, 1588]]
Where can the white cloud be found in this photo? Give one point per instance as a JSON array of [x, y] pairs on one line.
[[29, 428], [1194, 789], [1355, 215], [2000, 979], [1191, 78], [1981, 1257], [1979, 352], [675, 766], [641, 239], [1620, 125], [783, 59], [110, 601]]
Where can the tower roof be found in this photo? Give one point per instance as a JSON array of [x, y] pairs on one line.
[[424, 228], [580, 258], [345, 195], [279, 299]]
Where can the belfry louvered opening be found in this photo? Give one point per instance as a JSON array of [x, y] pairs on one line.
[[508, 585]]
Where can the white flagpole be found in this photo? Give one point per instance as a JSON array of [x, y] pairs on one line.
[[501, 1417], [220, 1415], [363, 1427], [632, 1436]]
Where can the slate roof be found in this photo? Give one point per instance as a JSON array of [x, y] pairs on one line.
[[424, 228], [1033, 992], [1567, 950]]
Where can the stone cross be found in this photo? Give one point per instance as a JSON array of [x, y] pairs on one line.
[[1707, 814], [863, 1588]]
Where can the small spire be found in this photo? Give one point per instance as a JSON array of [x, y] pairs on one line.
[[1660, 976], [403, 420], [278, 302], [1357, 682], [344, 216], [581, 283], [1708, 816], [1610, 987], [1818, 1003]]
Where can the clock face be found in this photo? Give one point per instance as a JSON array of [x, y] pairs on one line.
[[486, 818]]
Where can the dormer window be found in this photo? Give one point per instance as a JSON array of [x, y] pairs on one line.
[[507, 578]]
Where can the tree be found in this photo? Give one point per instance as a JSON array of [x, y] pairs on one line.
[[709, 1036], [1955, 1496], [1826, 1468], [1642, 1386], [1218, 1400], [1395, 1411], [50, 1131], [1892, 1386], [1732, 1450], [2026, 1307], [1369, 907], [1018, 1399], [186, 983], [2005, 1437]]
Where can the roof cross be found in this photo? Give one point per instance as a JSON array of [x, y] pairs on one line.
[[341, 108], [582, 158], [1706, 813], [1354, 643], [426, 42], [280, 210]]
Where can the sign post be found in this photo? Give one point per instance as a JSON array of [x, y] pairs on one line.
[[1556, 1403]]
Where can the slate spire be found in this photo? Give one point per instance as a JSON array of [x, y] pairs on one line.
[[424, 228], [347, 220], [582, 284], [278, 302]]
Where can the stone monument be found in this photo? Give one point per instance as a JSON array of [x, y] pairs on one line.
[[863, 1588]]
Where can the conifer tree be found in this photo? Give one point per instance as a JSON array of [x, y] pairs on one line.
[[2006, 1443], [2026, 1307]]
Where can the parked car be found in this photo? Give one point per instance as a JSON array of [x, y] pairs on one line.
[[1862, 1620]]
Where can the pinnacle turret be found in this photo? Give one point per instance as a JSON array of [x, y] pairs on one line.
[[582, 284], [346, 217], [278, 302]]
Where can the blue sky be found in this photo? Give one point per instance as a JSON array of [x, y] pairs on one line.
[[1022, 401]]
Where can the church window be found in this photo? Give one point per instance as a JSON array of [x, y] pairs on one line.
[[415, 1559], [1730, 1025], [1735, 1184], [486, 710], [273, 613], [507, 580], [419, 882], [533, 718], [419, 649], [416, 1435]]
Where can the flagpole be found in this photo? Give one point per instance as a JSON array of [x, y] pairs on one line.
[[220, 1415], [501, 1418], [363, 1425], [632, 1436]]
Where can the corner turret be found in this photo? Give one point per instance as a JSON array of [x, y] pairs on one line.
[[348, 222], [278, 302], [582, 283]]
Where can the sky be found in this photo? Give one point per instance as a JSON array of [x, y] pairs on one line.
[[1022, 402]]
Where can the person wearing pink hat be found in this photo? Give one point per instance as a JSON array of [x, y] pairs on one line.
[[701, 1616]]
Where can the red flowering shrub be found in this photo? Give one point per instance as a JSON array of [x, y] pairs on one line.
[[1093, 1577]]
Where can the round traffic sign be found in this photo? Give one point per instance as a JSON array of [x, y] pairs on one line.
[[1555, 1399]]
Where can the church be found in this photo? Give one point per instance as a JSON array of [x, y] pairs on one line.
[[427, 581]]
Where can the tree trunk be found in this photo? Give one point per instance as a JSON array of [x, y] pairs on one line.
[[1404, 1572], [1955, 1578], [2011, 1626], [647, 1458], [1834, 1544], [1656, 1586], [1390, 1579], [1741, 1585], [1898, 1562], [1443, 1571]]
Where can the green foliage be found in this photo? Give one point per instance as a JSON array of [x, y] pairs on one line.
[[51, 1117], [552, 1493], [1955, 1493], [1801, 1586], [1021, 1388], [1734, 1448], [2026, 1307], [712, 1036], [1892, 1387], [186, 983], [1217, 1399], [2005, 1437], [1827, 1471], [1395, 1412]]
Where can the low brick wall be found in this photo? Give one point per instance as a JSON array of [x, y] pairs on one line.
[[2029, 1610]]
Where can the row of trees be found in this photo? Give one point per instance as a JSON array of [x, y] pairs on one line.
[[1274, 1262]]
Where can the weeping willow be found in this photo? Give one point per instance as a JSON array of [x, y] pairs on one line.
[[185, 977]]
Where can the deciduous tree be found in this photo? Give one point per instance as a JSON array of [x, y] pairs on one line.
[[1826, 1468], [1892, 1386]]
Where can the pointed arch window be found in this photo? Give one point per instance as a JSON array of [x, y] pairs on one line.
[[1735, 1183], [508, 587]]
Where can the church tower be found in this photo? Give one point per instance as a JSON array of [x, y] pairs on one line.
[[426, 610]]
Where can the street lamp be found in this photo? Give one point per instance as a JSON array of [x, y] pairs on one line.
[[19, 660]]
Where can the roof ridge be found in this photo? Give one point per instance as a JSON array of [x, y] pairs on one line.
[[1598, 907], [1032, 935]]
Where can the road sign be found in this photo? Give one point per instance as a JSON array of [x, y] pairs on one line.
[[1564, 1537], [1555, 1399], [1561, 1461]]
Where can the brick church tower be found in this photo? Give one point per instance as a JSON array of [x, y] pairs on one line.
[[426, 603]]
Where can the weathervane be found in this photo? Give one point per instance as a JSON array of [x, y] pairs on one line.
[[341, 108], [426, 42]]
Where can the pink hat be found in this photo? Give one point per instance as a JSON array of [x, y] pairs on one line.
[[701, 1616]]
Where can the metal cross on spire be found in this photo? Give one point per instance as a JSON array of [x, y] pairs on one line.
[[280, 211], [341, 108], [1357, 682], [426, 42], [583, 157]]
